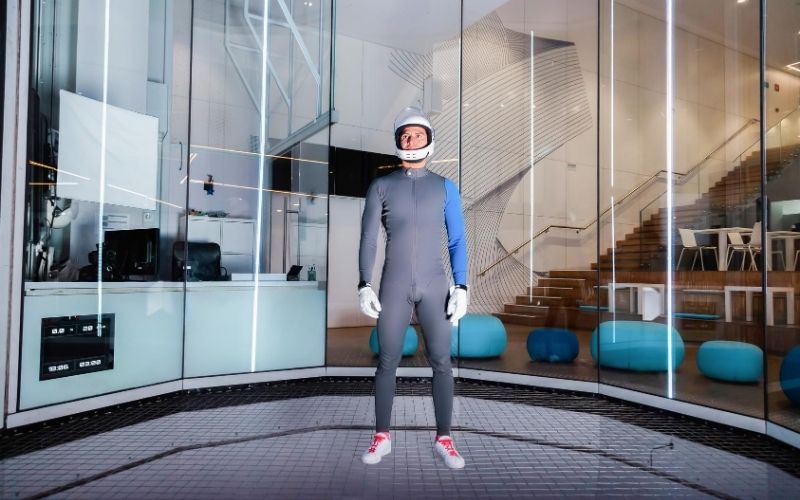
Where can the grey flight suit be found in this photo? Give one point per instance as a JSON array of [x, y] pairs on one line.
[[415, 207]]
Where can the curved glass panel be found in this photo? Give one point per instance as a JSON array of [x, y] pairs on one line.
[[252, 245], [529, 167], [108, 143], [681, 172], [782, 228]]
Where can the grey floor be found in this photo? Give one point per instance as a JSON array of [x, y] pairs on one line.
[[310, 446]]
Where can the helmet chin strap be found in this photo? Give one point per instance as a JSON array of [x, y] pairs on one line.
[[418, 161]]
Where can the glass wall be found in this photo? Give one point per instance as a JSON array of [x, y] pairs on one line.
[[176, 212], [257, 186], [627, 199], [528, 168], [681, 172], [782, 213], [103, 145]]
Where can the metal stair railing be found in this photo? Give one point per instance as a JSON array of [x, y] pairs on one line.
[[680, 177]]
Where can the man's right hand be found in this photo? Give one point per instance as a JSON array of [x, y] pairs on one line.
[[368, 302]]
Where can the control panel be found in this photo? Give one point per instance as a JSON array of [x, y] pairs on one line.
[[72, 345]]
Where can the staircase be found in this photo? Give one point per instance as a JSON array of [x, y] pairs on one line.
[[553, 302], [645, 248], [567, 299]]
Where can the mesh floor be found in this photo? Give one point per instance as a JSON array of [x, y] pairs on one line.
[[303, 439]]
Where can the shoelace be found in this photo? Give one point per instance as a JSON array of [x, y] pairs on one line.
[[448, 446], [375, 442]]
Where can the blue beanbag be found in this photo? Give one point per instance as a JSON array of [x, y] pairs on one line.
[[730, 361], [790, 375], [478, 336], [555, 345], [636, 345], [410, 342]]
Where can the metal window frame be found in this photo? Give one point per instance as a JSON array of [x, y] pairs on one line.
[[12, 196], [315, 70]]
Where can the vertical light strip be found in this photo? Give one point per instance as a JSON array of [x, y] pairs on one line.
[[261, 164], [669, 168], [612, 292], [530, 174], [103, 136]]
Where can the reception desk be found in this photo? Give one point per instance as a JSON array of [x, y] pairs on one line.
[[166, 331]]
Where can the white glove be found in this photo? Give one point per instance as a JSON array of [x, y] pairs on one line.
[[456, 304], [368, 302]]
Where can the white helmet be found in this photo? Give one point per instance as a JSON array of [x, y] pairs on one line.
[[413, 116]]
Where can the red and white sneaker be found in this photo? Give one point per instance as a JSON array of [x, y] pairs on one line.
[[446, 449], [381, 446]]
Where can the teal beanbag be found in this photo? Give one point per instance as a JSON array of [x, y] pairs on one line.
[[730, 361], [478, 336], [790, 375], [554, 345], [410, 342], [640, 346]]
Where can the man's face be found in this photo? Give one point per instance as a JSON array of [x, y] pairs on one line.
[[413, 137]]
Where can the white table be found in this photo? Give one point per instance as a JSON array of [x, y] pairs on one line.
[[722, 244], [771, 291], [632, 287]]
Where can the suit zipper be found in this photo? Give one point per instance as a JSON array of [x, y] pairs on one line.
[[414, 236]]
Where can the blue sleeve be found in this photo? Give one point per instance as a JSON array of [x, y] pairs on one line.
[[456, 239]]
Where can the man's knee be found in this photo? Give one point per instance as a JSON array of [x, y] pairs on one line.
[[389, 361], [440, 363]]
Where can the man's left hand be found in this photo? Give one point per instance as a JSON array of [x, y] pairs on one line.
[[456, 304]]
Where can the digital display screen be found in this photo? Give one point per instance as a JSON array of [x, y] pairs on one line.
[[72, 345]]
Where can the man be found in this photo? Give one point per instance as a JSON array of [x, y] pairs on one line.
[[415, 206]]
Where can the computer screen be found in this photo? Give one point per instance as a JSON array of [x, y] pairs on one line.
[[136, 252]]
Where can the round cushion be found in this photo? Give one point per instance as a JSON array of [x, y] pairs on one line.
[[790, 375], [555, 345], [478, 336], [730, 361], [635, 345], [410, 342]]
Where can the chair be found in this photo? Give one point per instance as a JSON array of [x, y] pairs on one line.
[[690, 243], [755, 241], [197, 261], [752, 247], [737, 244]]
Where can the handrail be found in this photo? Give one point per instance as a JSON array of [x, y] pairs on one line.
[[739, 158], [648, 181]]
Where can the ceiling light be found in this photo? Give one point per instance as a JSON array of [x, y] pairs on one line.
[[741, 1], [795, 66]]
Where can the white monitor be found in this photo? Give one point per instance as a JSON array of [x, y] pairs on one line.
[[131, 153]]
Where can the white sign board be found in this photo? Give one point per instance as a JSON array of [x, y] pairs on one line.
[[130, 153]]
